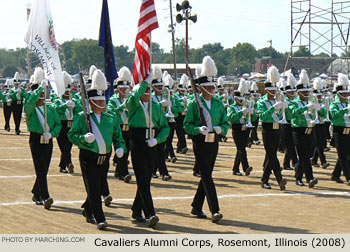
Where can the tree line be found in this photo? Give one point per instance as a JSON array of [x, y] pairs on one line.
[[85, 52]]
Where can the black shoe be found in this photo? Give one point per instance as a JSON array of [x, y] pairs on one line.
[[327, 149], [63, 170], [37, 200], [225, 139], [102, 225], [167, 160], [337, 179], [47, 203], [216, 217], [107, 200], [282, 184], [197, 174], [265, 186], [248, 171], [152, 221], [199, 213], [154, 176], [325, 165], [312, 183], [127, 178], [257, 142], [70, 168], [184, 150], [18, 132], [348, 182], [299, 183], [178, 151], [315, 164], [89, 217], [173, 160], [138, 217], [7, 129], [237, 173], [166, 177], [249, 145], [288, 168]]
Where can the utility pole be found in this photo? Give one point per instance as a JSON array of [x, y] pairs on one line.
[[172, 30]]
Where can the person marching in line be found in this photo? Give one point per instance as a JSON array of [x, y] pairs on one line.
[[255, 96], [318, 133], [303, 114], [43, 124], [95, 147], [269, 115], [237, 116], [116, 107], [205, 138], [143, 142], [340, 115], [67, 108], [286, 130], [17, 95], [171, 113], [7, 109], [158, 86], [181, 146]]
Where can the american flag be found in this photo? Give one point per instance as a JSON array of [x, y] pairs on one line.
[[147, 22]]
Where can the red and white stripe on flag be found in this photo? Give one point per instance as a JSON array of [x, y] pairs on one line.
[[147, 22]]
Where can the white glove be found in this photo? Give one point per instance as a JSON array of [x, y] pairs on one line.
[[246, 111], [89, 137], [43, 84], [47, 135], [70, 104], [19, 90], [151, 142], [317, 107], [203, 130], [348, 108], [165, 103], [184, 98], [278, 105], [226, 96], [149, 78], [217, 129], [119, 152], [285, 104], [310, 106]]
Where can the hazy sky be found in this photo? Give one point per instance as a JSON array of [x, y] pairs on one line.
[[224, 21]]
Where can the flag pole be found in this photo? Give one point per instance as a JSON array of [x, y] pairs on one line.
[[150, 94]]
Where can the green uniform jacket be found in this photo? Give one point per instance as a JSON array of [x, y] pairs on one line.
[[267, 112], [235, 114], [60, 105], [13, 94], [32, 119], [299, 119], [174, 108], [137, 117], [288, 110], [179, 103], [339, 113], [108, 126], [2, 97], [115, 109], [217, 113]]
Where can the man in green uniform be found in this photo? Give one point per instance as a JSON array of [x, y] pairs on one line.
[[43, 124], [6, 101], [95, 148], [205, 138]]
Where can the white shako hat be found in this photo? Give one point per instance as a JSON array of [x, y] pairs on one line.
[[209, 71], [68, 80], [98, 86], [317, 85], [16, 78], [304, 82], [273, 77], [220, 83], [342, 84], [254, 88], [38, 78], [282, 84], [168, 82], [124, 78], [291, 82], [183, 82], [157, 76], [31, 79], [91, 72], [243, 87]]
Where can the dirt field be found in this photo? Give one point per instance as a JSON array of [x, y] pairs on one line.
[[247, 208]]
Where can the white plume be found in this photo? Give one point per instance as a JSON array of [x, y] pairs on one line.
[[198, 71], [282, 83], [343, 79], [184, 80], [273, 74], [242, 87], [220, 81], [38, 75], [157, 73], [304, 78], [291, 81], [169, 81], [67, 79], [99, 81], [124, 74], [317, 84], [165, 73], [91, 71], [254, 87], [208, 67], [16, 77], [31, 80]]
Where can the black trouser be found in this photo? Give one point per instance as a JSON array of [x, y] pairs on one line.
[[17, 110], [169, 150], [290, 154], [319, 138], [122, 163], [41, 154], [160, 160], [65, 146], [205, 154], [271, 139], [95, 177], [342, 143], [241, 139], [195, 166], [254, 132], [7, 115], [143, 159], [303, 145], [180, 132], [327, 130]]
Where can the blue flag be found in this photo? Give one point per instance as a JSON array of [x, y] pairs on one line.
[[105, 40]]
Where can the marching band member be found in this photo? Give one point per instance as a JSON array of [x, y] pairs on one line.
[[303, 113], [268, 113], [339, 111], [7, 108], [180, 132], [116, 106], [205, 138], [143, 141], [17, 95], [237, 114], [253, 134], [43, 123], [67, 108], [95, 148]]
